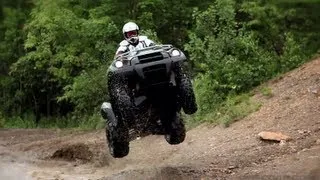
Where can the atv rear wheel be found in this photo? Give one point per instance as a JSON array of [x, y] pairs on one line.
[[175, 130]]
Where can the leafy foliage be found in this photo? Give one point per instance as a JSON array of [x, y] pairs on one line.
[[61, 45], [236, 47], [228, 57], [88, 90], [11, 48], [54, 54]]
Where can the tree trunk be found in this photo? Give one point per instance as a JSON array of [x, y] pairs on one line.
[[36, 109]]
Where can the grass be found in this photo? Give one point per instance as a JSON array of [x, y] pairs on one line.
[[28, 121], [233, 109], [266, 91]]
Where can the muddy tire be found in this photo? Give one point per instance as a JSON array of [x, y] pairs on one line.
[[117, 130], [120, 97], [118, 139], [187, 96], [175, 130]]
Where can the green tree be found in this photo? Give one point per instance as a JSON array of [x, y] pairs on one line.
[[13, 15], [54, 54], [60, 46]]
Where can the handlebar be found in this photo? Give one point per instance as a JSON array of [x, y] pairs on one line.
[[154, 47]]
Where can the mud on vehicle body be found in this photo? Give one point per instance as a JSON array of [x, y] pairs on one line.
[[148, 89]]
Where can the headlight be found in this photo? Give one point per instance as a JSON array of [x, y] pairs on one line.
[[118, 64], [175, 53]]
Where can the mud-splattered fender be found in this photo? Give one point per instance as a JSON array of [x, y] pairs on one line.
[[107, 113]]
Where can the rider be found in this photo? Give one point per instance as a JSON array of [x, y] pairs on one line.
[[132, 39]]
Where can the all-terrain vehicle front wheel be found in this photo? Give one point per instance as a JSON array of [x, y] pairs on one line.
[[117, 132], [118, 140], [187, 96]]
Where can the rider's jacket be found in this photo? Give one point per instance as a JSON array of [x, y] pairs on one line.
[[125, 46]]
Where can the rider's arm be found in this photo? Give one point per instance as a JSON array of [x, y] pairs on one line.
[[149, 42], [123, 47], [120, 50]]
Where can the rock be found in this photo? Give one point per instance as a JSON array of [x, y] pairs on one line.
[[282, 142], [304, 131], [318, 142], [227, 171], [233, 167], [316, 129], [315, 91], [273, 136]]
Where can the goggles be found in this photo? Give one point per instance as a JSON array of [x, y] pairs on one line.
[[131, 34]]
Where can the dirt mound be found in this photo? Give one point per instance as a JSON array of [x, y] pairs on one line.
[[74, 152]]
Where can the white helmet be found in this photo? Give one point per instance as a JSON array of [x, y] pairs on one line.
[[130, 32]]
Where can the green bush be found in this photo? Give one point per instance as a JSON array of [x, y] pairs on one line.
[[232, 55], [88, 90], [228, 59]]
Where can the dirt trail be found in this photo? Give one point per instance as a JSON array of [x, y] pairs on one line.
[[207, 153]]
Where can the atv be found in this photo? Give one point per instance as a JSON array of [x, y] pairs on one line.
[[147, 89]]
